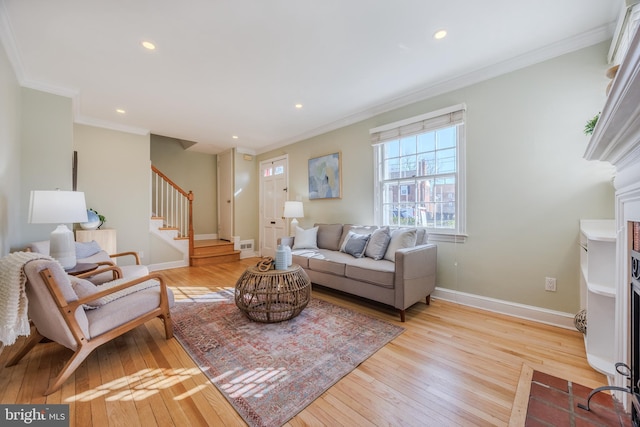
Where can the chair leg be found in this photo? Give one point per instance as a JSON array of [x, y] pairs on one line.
[[69, 368], [168, 325], [429, 299], [34, 339]]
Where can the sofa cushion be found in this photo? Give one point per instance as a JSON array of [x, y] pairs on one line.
[[306, 239], [378, 243], [381, 273], [329, 236], [327, 266], [400, 238]]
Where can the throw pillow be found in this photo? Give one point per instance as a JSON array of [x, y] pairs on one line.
[[84, 288], [378, 243], [86, 249], [305, 239], [329, 236], [400, 238], [355, 244]]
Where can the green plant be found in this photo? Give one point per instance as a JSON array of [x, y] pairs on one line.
[[591, 124], [100, 217]]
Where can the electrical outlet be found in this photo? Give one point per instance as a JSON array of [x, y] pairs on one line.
[[550, 284]]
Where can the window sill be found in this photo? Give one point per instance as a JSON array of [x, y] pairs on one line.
[[449, 238]]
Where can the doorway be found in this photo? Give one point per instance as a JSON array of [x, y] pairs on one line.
[[274, 183]]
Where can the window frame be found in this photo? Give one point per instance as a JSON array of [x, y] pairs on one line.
[[457, 234]]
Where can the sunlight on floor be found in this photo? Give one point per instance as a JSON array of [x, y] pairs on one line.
[[201, 294], [253, 383], [141, 385]]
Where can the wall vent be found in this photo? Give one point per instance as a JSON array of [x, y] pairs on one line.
[[246, 245]]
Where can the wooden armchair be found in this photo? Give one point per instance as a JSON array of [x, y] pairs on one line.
[[90, 252], [59, 311]]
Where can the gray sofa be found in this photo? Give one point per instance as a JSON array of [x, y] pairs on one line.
[[396, 267]]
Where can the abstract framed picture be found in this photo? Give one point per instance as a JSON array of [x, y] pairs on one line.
[[325, 177]]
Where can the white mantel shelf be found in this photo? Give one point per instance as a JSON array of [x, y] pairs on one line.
[[616, 137]]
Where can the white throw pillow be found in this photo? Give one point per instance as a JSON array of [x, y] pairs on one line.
[[306, 239], [400, 238]]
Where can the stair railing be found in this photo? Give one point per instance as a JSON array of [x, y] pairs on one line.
[[174, 204]]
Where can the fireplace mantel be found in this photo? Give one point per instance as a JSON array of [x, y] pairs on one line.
[[616, 137]]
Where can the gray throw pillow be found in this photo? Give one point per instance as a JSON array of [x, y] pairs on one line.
[[378, 243], [356, 244], [400, 238], [86, 249]]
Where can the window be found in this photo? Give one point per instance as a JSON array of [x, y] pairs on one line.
[[419, 173]]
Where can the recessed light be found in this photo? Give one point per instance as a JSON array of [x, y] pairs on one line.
[[120, 111], [440, 34], [298, 106], [148, 45], [235, 137]]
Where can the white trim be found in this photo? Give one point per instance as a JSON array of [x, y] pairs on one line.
[[167, 265], [581, 41], [522, 311], [421, 117], [89, 121]]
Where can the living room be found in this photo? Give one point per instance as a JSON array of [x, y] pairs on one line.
[[528, 185]]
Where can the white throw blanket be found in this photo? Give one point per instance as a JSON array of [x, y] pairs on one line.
[[14, 320]]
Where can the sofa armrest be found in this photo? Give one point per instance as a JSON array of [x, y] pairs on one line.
[[415, 274]]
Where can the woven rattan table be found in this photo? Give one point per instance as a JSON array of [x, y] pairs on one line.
[[274, 295]]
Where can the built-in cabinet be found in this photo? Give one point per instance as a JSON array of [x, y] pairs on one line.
[[106, 238], [598, 291]]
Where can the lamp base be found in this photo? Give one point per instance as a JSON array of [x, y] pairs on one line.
[[62, 247], [294, 224]]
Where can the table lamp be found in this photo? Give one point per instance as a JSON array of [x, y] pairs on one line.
[[59, 207], [293, 210]]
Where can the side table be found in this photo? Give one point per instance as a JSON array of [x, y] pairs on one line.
[[274, 295]]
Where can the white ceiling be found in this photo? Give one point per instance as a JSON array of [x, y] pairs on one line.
[[238, 67]]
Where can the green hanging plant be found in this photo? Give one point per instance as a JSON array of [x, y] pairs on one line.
[[591, 124]]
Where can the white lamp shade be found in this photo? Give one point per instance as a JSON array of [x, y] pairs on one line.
[[293, 209], [57, 207]]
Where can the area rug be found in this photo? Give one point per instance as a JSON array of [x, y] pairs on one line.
[[546, 400], [271, 371]]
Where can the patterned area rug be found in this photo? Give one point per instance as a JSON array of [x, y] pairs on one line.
[[270, 372]]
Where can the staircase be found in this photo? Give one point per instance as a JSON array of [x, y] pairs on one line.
[[172, 221]]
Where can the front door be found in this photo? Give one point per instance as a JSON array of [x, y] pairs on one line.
[[273, 193]]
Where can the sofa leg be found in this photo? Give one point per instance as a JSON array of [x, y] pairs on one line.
[[402, 315], [429, 299]]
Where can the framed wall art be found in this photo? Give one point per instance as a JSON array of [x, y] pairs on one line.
[[325, 177]]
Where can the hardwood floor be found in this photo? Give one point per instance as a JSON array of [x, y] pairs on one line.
[[453, 366]]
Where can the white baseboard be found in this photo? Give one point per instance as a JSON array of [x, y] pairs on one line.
[[168, 265], [537, 314]]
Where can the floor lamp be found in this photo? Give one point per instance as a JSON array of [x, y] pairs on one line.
[[59, 207], [293, 210]]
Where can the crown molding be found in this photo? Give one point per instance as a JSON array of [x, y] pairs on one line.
[[583, 40], [90, 121]]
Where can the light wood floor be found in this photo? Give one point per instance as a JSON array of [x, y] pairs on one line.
[[453, 366]]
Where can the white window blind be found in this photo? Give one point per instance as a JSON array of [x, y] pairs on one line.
[[427, 122]]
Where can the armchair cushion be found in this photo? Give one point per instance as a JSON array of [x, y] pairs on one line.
[[84, 288]]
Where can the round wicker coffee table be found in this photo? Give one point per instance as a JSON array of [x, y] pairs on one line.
[[274, 295]]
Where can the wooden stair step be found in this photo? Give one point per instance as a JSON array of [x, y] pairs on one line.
[[199, 260]]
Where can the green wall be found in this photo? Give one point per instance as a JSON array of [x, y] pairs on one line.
[[10, 194], [114, 172], [527, 183], [191, 171]]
